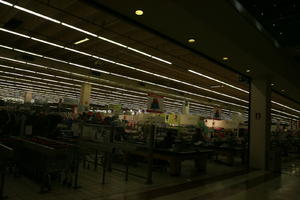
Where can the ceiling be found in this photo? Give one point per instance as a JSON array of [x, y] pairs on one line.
[[281, 20], [123, 61]]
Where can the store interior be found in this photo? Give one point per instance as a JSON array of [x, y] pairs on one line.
[[93, 106]]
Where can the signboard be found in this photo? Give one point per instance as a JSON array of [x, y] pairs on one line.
[[217, 113], [155, 103]]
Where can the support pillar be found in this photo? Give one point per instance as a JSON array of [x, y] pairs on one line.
[[85, 95], [186, 108], [27, 97], [260, 124]]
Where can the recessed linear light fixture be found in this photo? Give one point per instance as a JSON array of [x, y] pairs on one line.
[[225, 58], [217, 86], [82, 41], [139, 12], [222, 82], [41, 66], [191, 40], [81, 30], [120, 64], [139, 80]]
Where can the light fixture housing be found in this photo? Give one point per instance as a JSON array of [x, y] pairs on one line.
[[139, 12], [82, 41], [191, 40], [225, 58]]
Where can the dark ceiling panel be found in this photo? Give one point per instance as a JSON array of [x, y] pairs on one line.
[[280, 17]]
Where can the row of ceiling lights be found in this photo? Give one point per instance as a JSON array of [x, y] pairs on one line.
[[70, 89], [58, 60], [104, 98], [108, 100], [138, 12], [139, 80], [167, 102], [81, 30], [64, 94], [225, 58], [122, 65]]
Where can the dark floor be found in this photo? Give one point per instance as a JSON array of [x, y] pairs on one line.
[[220, 182], [22, 188]]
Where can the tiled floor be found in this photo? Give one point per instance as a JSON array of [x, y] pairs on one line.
[[256, 185], [235, 183], [24, 189]]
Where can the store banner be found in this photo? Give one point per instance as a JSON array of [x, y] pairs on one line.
[[217, 113], [155, 103]]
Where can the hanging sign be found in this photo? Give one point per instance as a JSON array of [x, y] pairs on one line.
[[155, 103], [217, 113]]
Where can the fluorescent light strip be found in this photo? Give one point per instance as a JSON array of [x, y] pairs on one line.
[[33, 77], [77, 51], [17, 87], [118, 94], [279, 111], [6, 3], [46, 42], [78, 29], [6, 47], [33, 87], [82, 41], [198, 87], [73, 88], [273, 114], [30, 53], [192, 85], [54, 59], [36, 14], [82, 31], [222, 82], [287, 107], [43, 93], [71, 64], [14, 33], [94, 35], [147, 83], [14, 60]]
